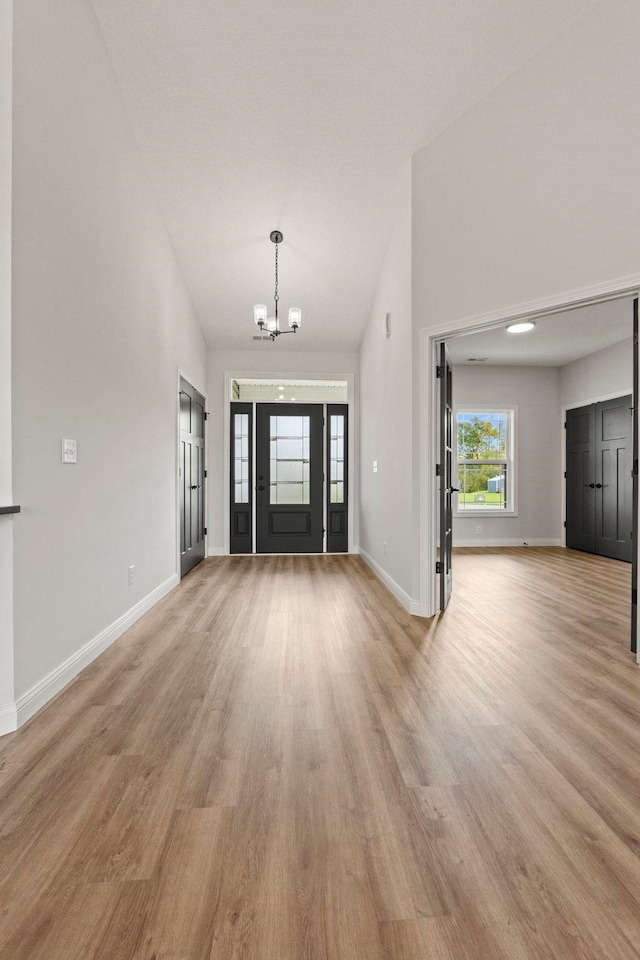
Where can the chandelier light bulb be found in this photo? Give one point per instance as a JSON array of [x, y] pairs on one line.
[[260, 313], [272, 324], [295, 316]]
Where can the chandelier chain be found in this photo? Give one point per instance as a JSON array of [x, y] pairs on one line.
[[275, 295]]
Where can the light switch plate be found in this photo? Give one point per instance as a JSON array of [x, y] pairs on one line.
[[69, 454]]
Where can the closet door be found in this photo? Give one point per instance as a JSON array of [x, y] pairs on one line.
[[599, 480], [581, 492], [613, 478]]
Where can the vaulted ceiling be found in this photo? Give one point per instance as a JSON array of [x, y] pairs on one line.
[[303, 117]]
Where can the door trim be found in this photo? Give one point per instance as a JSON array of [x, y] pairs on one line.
[[425, 604], [354, 451]]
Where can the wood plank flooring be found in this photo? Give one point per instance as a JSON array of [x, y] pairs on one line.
[[279, 763]]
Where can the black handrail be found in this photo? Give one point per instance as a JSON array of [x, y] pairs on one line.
[[14, 509]]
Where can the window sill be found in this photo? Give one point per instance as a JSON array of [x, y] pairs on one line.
[[488, 512]]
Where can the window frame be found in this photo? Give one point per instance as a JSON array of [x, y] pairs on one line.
[[510, 460]]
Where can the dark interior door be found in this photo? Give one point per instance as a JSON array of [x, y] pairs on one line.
[[289, 475], [613, 422], [581, 485], [445, 469], [191, 477], [599, 478]]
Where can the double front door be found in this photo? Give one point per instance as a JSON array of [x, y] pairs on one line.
[[599, 478], [288, 478]]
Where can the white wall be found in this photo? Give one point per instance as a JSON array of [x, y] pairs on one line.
[[602, 374], [271, 363], [534, 191], [102, 321], [531, 194], [7, 708], [535, 392], [385, 417]]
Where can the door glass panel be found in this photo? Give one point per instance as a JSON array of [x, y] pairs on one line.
[[336, 458], [289, 459], [241, 457]]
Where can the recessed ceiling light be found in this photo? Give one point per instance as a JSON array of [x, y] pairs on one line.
[[523, 326], [280, 388]]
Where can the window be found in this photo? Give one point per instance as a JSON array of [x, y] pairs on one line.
[[289, 440], [241, 457], [336, 458], [486, 465]]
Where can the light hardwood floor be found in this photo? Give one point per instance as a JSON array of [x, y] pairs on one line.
[[278, 763]]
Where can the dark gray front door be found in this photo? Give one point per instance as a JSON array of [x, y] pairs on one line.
[[445, 467], [191, 477], [599, 478], [289, 475]]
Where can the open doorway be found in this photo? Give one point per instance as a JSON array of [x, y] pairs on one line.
[[572, 356]]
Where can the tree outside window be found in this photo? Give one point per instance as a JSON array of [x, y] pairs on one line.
[[483, 440]]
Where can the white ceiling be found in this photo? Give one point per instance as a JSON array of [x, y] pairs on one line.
[[301, 116], [556, 339]]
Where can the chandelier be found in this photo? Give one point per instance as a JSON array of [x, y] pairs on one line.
[[271, 325]]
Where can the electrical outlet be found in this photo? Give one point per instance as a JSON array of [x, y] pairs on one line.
[[478, 528], [132, 574]]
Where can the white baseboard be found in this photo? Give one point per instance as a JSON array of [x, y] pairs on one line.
[[401, 595], [216, 552], [8, 719], [479, 542], [35, 698]]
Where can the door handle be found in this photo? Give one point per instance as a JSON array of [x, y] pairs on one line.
[[592, 485], [454, 489], [194, 486], [599, 486]]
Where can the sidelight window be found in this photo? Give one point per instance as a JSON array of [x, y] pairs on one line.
[[485, 461], [241, 457], [336, 458]]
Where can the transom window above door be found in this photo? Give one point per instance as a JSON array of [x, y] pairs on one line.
[[485, 447]]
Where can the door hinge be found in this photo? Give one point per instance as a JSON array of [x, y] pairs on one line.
[[205, 474], [564, 523], [635, 468], [438, 566], [205, 531], [565, 424], [565, 474], [439, 373], [438, 470], [206, 415]]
